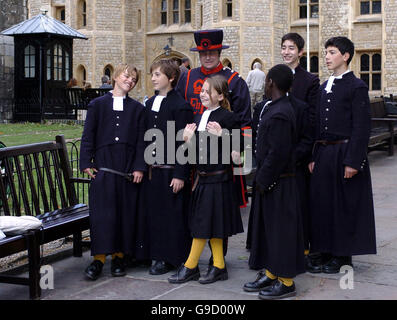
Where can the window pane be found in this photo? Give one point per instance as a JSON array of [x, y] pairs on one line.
[[364, 7], [32, 72], [188, 17], [303, 62], [188, 4], [314, 1], [164, 5], [229, 9], [27, 49], [376, 62], [176, 17], [314, 11], [376, 6], [164, 18], [365, 78], [302, 1], [314, 64], [176, 5], [26, 61], [376, 81], [364, 62], [302, 12]]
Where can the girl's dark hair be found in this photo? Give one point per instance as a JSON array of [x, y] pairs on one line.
[[343, 44], [219, 83], [169, 67], [282, 76]]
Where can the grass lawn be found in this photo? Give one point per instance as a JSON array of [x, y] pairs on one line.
[[13, 134]]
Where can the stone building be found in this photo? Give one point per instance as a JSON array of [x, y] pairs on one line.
[[11, 12], [141, 31]]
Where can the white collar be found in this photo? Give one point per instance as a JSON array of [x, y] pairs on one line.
[[204, 119], [331, 81]]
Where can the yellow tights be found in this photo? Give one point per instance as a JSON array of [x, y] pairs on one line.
[[286, 281], [102, 257], [198, 247]]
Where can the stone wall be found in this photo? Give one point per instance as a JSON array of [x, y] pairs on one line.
[[254, 32], [390, 47], [11, 13]]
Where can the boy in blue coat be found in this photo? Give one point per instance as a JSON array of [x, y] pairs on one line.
[[342, 211], [112, 154]]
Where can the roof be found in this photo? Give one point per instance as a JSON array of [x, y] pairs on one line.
[[43, 24]]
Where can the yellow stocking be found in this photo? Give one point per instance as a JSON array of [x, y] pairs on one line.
[[118, 254], [217, 252], [195, 253], [100, 257]]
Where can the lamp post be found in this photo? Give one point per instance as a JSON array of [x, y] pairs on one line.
[[308, 35]]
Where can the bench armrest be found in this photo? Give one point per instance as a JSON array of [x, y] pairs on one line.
[[391, 119], [80, 180]]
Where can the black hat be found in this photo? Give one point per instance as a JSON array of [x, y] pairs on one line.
[[208, 40]]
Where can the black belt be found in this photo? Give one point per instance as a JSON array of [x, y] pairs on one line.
[[159, 166], [128, 176], [326, 142], [207, 174], [287, 175]]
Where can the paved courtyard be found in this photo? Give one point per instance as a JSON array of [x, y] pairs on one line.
[[374, 275]]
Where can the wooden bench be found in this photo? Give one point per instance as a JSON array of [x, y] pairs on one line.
[[383, 129], [37, 180]]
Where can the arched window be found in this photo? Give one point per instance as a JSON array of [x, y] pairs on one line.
[[227, 63], [108, 70], [81, 14], [371, 70], [255, 61], [313, 63], [81, 75], [139, 19], [30, 62]]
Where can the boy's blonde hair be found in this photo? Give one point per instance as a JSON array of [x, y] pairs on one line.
[[125, 67]]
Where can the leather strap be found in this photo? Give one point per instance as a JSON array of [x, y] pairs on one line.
[[128, 176]]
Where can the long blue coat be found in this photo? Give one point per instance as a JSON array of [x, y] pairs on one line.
[[166, 211], [276, 235], [114, 139], [342, 211]]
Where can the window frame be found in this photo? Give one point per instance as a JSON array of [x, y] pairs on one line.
[[371, 5], [304, 5], [370, 72], [228, 7], [312, 55], [32, 53]]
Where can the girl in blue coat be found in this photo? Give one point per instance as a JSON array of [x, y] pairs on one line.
[[214, 211]]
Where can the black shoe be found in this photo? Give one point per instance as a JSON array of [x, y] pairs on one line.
[[214, 274], [117, 267], [160, 267], [277, 291], [334, 265], [262, 281], [184, 274], [313, 263], [94, 270]]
